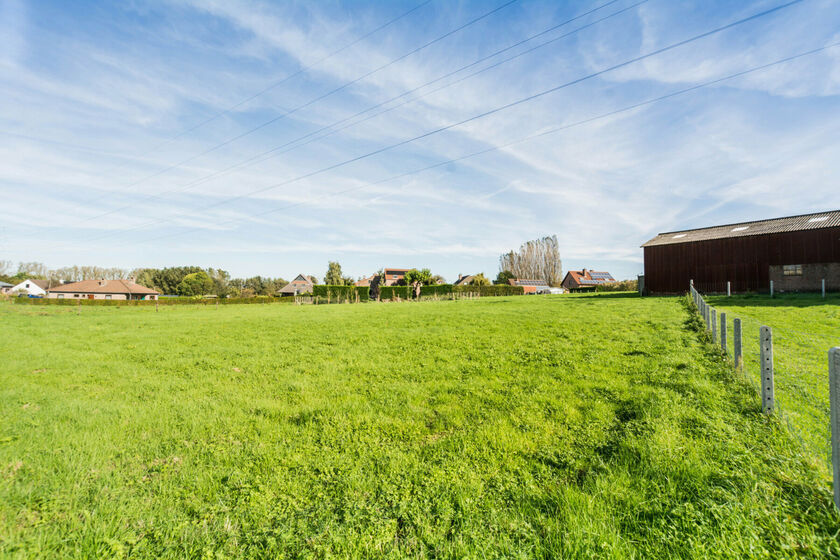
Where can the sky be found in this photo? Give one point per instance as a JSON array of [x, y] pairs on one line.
[[272, 137]]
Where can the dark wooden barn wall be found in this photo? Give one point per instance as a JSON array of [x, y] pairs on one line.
[[744, 261]]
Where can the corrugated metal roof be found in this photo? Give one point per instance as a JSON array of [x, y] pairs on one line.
[[818, 220]]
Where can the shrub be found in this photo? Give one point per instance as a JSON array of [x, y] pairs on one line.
[[622, 286], [393, 292]]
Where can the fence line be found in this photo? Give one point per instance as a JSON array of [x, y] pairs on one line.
[[781, 365]]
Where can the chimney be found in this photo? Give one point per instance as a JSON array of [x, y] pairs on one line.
[[101, 281], [583, 273], [133, 280]]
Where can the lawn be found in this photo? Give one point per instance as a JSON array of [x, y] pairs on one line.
[[518, 427], [805, 327]]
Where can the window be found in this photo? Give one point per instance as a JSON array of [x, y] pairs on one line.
[[108, 296], [60, 296], [792, 270], [75, 295], [27, 284]]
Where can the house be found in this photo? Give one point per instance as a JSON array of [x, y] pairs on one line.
[[5, 287], [31, 287], [365, 282], [463, 280], [300, 285], [394, 276], [795, 252], [531, 286], [103, 289], [585, 280]]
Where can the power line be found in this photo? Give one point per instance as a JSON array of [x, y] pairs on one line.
[[506, 106], [278, 83], [310, 102], [280, 149], [548, 132]]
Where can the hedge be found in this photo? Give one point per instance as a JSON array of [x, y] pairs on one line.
[[406, 292], [341, 293], [146, 302], [394, 292]]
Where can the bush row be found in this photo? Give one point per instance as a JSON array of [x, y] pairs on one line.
[[341, 293], [146, 302], [406, 292]]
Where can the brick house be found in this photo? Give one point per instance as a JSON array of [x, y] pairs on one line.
[[103, 289], [585, 280]]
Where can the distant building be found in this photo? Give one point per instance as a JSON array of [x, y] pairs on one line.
[[394, 276], [103, 289], [31, 287], [300, 285], [531, 286], [5, 287], [585, 280], [365, 282], [464, 280], [796, 253]]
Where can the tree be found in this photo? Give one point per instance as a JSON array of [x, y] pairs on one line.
[[221, 282], [537, 260], [334, 276], [422, 277], [196, 284], [480, 280], [504, 276]]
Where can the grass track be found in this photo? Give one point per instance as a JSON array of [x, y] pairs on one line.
[[525, 427]]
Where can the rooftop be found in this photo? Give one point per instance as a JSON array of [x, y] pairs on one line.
[[817, 220]]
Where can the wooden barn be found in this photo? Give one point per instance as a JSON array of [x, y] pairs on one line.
[[796, 252]]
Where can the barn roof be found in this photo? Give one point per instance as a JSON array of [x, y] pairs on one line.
[[818, 220]]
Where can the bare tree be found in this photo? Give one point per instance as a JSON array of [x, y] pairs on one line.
[[535, 260]]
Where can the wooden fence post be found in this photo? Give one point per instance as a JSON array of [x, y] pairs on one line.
[[834, 395], [771, 288], [823, 288], [714, 325], [768, 400], [723, 332], [728, 289], [736, 343]]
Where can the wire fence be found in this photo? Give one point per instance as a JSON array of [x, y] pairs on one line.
[[790, 371]]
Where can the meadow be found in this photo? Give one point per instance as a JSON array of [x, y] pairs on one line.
[[512, 427], [805, 327]]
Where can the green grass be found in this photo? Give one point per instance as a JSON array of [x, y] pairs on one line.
[[519, 427], [805, 327]]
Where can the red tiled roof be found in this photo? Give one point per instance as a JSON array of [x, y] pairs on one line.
[[590, 277], [103, 287]]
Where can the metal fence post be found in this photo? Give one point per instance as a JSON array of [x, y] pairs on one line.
[[723, 332], [834, 394], [714, 325], [736, 343], [768, 400], [823, 288], [771, 288], [728, 288]]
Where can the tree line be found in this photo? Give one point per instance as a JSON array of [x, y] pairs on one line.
[[175, 280]]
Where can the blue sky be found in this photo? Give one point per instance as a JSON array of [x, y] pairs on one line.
[[100, 145]]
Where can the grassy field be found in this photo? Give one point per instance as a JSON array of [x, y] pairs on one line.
[[805, 327], [523, 427]]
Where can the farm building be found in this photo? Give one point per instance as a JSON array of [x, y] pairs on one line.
[[102, 289], [585, 280], [31, 287], [795, 252], [531, 286], [5, 287], [302, 284]]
